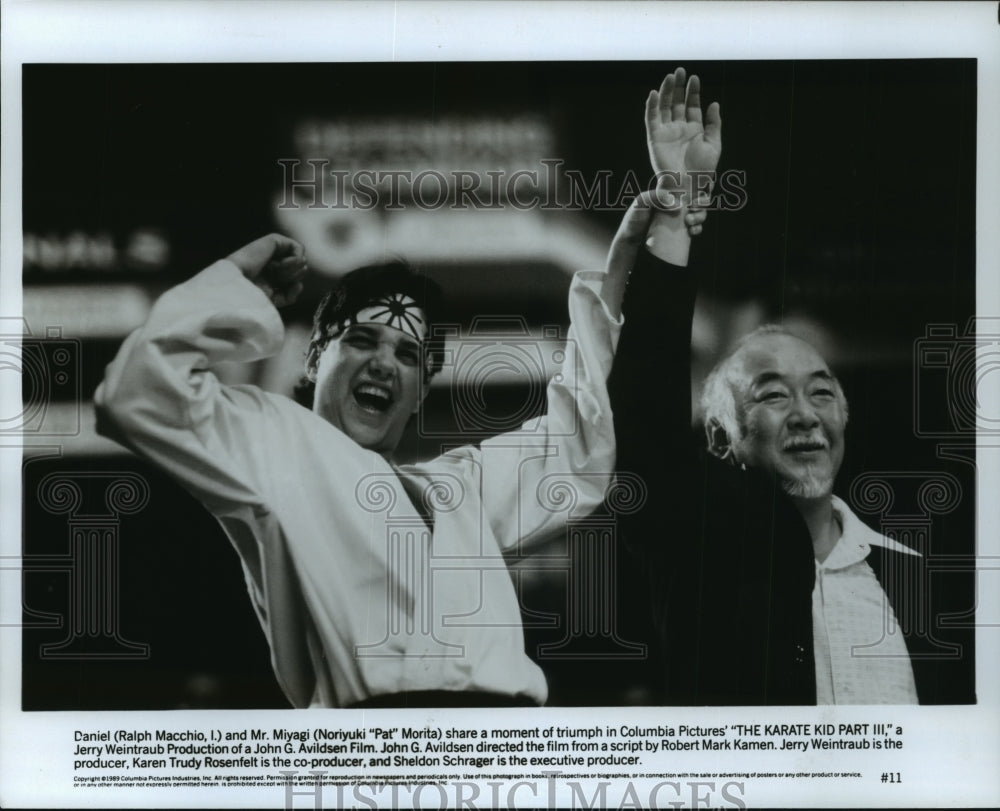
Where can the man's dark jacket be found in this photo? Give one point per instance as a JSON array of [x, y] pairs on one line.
[[728, 556]]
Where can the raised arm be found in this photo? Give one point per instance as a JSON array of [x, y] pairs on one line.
[[684, 153], [650, 386], [684, 150], [276, 264], [576, 431], [574, 442], [159, 396]]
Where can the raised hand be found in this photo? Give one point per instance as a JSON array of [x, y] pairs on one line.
[[680, 143], [276, 264]]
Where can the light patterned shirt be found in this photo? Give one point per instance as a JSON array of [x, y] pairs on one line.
[[861, 657]]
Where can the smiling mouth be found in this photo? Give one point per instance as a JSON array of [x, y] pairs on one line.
[[373, 399], [807, 446]]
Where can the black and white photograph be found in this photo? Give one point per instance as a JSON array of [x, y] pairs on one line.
[[615, 427]]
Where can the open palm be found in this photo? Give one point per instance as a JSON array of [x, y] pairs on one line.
[[679, 141]]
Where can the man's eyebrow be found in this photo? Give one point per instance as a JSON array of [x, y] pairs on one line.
[[359, 328], [371, 332], [766, 377]]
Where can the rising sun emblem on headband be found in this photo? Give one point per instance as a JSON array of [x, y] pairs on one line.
[[395, 310]]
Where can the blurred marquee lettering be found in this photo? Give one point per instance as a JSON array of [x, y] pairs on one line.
[[457, 189], [451, 143], [142, 249]]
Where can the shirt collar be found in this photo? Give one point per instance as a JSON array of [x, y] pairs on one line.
[[857, 539]]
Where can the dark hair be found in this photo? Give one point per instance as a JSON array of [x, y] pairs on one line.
[[352, 293]]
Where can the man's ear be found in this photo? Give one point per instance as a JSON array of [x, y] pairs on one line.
[[312, 360], [424, 391], [719, 443]]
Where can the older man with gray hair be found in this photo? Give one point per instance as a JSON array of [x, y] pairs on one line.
[[765, 587]]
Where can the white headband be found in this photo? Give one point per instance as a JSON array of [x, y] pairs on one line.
[[395, 310]]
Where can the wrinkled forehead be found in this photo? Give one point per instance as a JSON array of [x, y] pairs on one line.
[[395, 310], [777, 355]]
